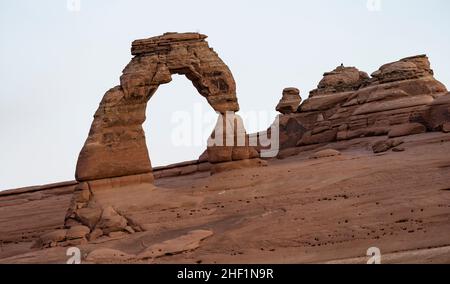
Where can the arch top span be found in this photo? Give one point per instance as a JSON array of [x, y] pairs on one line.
[[188, 54], [116, 145]]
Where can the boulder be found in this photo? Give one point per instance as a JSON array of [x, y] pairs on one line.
[[406, 129], [77, 232], [112, 221], [325, 153], [51, 239], [290, 101], [385, 145], [341, 79], [89, 216]]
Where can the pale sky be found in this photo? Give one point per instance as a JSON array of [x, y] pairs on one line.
[[56, 64]]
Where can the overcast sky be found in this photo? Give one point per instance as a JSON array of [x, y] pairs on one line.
[[57, 62]]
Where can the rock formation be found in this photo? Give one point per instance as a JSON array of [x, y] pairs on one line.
[[385, 145], [341, 79], [114, 194], [115, 154], [398, 201], [290, 101], [400, 98], [116, 143]]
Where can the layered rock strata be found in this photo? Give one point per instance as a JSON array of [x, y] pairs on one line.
[[400, 98]]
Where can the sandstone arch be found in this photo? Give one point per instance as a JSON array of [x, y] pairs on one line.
[[116, 144]]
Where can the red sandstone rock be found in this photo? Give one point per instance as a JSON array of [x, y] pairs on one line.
[[51, 239], [116, 143], [111, 221], [323, 137], [89, 216], [346, 104], [291, 130], [268, 200], [393, 104], [385, 145], [290, 101], [341, 79], [406, 129], [364, 132], [324, 102], [229, 141], [400, 99], [407, 68], [346, 99], [77, 232], [219, 154]]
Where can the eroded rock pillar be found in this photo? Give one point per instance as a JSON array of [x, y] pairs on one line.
[[229, 146]]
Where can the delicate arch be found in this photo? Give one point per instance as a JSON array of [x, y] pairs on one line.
[[116, 143]]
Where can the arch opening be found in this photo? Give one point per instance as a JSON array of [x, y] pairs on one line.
[[178, 122]]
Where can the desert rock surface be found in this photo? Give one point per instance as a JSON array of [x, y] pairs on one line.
[[329, 209]]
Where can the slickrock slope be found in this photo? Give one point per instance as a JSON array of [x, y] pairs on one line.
[[363, 162], [26, 214], [295, 210]]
